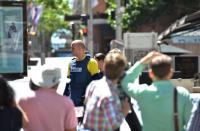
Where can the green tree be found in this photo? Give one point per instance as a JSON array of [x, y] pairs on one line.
[[52, 18], [139, 12], [53, 13]]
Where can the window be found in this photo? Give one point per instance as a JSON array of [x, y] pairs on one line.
[[187, 65]]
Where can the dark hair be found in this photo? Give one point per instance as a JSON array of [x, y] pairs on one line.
[[197, 76], [7, 94], [99, 56], [33, 86], [161, 66], [115, 64]]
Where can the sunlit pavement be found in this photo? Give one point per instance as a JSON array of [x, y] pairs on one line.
[[21, 86]]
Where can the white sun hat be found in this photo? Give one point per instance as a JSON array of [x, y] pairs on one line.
[[46, 76]]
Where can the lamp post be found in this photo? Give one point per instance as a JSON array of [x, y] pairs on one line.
[[90, 28], [118, 19]]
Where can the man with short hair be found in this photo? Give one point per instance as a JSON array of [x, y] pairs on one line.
[[46, 109], [156, 101], [104, 110], [82, 70]]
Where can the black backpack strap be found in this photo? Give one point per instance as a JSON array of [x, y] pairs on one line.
[[175, 102], [133, 121]]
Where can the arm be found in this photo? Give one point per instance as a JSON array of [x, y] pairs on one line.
[[66, 91], [25, 120], [133, 73], [68, 71], [70, 117], [194, 122], [188, 110]]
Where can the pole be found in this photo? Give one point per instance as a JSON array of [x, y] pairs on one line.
[[43, 48], [118, 19], [90, 28]]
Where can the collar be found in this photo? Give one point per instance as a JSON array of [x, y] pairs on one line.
[[46, 90], [163, 82], [110, 83]]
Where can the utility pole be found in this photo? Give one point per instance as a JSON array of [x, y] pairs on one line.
[[118, 18], [43, 48], [89, 45]]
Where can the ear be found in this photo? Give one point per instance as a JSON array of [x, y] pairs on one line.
[[170, 73], [151, 74]]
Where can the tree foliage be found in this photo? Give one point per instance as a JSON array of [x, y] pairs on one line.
[[52, 18], [53, 13], [138, 12]]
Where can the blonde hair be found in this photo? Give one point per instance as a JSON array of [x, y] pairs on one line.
[[115, 50], [78, 43]]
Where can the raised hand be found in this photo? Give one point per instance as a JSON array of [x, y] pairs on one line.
[[147, 59]]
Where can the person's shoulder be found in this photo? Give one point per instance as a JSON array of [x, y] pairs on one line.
[[98, 81], [102, 86], [27, 99], [14, 110], [65, 100], [92, 61], [17, 111], [183, 91]]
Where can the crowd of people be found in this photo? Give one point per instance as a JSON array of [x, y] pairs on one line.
[[105, 88]]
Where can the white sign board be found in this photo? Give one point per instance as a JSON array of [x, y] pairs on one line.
[[140, 40]]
